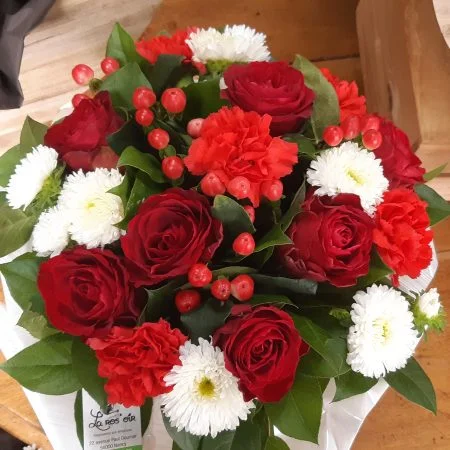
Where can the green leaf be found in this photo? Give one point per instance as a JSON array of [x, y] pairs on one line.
[[166, 69], [305, 145], [15, 228], [273, 238], [438, 208], [326, 105], [206, 319], [434, 173], [295, 285], [78, 414], [352, 383], [146, 414], [175, 446], [378, 271], [270, 299], [32, 135], [298, 413], [85, 367], [122, 84], [183, 439], [36, 324], [130, 134], [314, 365], [413, 383], [275, 443], [294, 208], [8, 162], [144, 162], [21, 279], [121, 47], [232, 271], [45, 367], [233, 216], [203, 98]]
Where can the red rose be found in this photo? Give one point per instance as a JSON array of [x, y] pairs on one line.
[[273, 88], [402, 233], [80, 139], [235, 143], [262, 348], [86, 292], [400, 165], [171, 232], [332, 241], [135, 361], [350, 102]]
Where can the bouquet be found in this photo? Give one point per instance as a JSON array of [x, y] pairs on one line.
[[222, 232]]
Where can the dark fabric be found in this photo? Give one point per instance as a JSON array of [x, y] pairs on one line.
[[17, 18]]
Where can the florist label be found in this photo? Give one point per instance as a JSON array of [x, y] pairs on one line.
[[120, 428]]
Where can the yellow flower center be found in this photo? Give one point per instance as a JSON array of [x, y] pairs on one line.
[[206, 388], [384, 329], [355, 177]]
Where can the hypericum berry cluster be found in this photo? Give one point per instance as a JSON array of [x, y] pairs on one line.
[[351, 128]]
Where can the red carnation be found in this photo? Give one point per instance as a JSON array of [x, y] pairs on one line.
[[332, 241], [350, 102], [400, 165], [402, 233], [262, 348], [273, 88], [234, 143], [86, 292], [80, 139], [135, 361], [170, 233]]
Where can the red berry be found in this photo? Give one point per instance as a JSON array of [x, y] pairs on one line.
[[109, 65], [372, 139], [244, 244], [221, 289], [194, 127], [77, 98], [272, 190], [239, 187], [211, 185], [333, 135], [174, 100], [143, 97], [187, 300], [250, 211], [242, 287], [82, 74], [351, 127], [172, 167], [158, 138], [199, 275], [144, 117], [369, 122]]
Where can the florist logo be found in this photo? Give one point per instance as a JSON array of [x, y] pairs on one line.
[[104, 421]]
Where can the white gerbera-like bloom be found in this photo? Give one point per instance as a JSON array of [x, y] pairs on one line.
[[205, 398], [29, 176], [349, 169], [383, 335], [51, 233], [237, 43], [93, 211], [429, 303]]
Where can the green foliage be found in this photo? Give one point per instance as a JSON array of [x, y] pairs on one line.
[[45, 367], [271, 299], [78, 415], [160, 302], [294, 208], [130, 135], [378, 271], [145, 162], [413, 383], [146, 414], [275, 443], [167, 70], [438, 208], [36, 324], [183, 439], [326, 105], [306, 147], [293, 285], [434, 173], [352, 383]]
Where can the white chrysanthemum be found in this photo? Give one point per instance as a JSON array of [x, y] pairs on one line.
[[383, 335], [237, 43], [29, 176], [51, 233], [429, 303], [93, 211], [205, 398], [349, 169]]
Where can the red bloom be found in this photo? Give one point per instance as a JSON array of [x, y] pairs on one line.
[[273, 88], [86, 292], [332, 241], [170, 233], [262, 348], [350, 102], [400, 165], [402, 233], [80, 139], [235, 143], [135, 361]]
